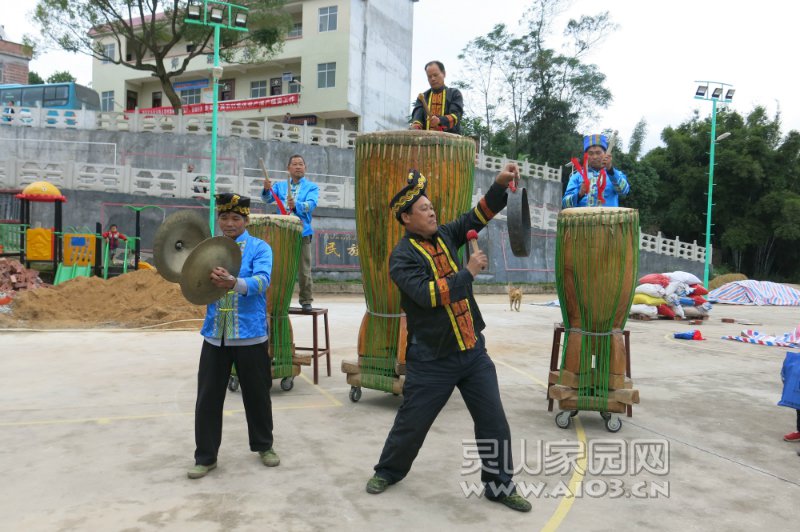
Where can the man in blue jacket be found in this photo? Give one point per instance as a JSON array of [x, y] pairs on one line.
[[300, 199], [599, 178], [236, 331]]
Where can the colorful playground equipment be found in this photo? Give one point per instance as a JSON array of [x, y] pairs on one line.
[[74, 252]]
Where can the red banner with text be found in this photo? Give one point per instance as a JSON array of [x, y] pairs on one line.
[[227, 106]]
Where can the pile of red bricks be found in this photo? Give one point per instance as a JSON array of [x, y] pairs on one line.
[[15, 277]]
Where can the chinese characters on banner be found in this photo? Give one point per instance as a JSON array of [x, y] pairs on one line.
[[227, 106]]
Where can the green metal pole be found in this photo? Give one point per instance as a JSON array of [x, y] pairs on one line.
[[710, 189], [213, 185]]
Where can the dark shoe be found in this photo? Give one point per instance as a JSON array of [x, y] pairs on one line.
[[377, 485], [199, 470], [269, 458], [306, 307], [515, 502]]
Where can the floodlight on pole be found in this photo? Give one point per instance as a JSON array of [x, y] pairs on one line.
[[715, 96], [214, 15], [193, 10]]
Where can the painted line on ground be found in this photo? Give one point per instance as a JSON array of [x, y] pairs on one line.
[[566, 503]]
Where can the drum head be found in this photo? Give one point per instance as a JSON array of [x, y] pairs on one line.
[[518, 214]]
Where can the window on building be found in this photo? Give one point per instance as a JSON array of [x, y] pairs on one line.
[[326, 75], [107, 101], [294, 85], [109, 53], [210, 59], [275, 86], [157, 97], [327, 18], [296, 32], [174, 63], [189, 48], [258, 89], [190, 96]]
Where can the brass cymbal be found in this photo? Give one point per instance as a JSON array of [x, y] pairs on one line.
[[175, 239], [195, 279]]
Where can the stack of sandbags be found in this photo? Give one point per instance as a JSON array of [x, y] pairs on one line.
[[673, 295]]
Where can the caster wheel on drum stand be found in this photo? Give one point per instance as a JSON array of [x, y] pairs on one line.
[[287, 383], [355, 393], [613, 423], [233, 383], [564, 418]]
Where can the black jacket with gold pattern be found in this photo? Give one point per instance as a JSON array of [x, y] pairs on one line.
[[435, 292]]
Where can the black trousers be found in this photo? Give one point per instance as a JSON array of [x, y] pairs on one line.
[[253, 367], [427, 389]]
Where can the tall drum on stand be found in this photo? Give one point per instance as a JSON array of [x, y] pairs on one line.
[[597, 260], [383, 161], [284, 234]]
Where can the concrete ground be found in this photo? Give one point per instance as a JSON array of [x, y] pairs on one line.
[[96, 433]]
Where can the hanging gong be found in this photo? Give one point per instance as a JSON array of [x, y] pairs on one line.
[[518, 215]]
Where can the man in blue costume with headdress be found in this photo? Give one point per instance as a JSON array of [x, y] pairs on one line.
[[596, 183], [235, 331]]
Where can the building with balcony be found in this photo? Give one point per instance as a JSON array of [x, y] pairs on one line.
[[344, 64]]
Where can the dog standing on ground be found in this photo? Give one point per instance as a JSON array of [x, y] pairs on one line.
[[514, 297]]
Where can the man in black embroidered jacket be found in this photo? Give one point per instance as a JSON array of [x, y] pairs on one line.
[[445, 104], [445, 346]]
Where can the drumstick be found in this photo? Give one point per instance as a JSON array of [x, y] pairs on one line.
[[612, 141], [274, 196], [421, 98], [472, 238]]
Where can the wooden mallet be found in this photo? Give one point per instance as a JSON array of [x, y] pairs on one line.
[[472, 238]]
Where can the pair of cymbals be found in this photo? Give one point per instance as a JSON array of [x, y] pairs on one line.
[[184, 252]]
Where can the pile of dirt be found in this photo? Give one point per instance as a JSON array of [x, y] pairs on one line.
[[137, 299]]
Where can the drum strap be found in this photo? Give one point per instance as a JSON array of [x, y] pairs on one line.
[[379, 315], [589, 333]]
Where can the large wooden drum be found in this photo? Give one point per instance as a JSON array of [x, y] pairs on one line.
[[383, 161], [284, 234], [597, 259]]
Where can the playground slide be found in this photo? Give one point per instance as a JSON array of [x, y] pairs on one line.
[[65, 273]]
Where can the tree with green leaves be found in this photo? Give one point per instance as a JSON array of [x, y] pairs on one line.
[[756, 191], [538, 95], [60, 77], [151, 30], [34, 78]]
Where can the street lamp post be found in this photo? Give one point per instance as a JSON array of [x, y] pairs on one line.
[[702, 93], [212, 13]]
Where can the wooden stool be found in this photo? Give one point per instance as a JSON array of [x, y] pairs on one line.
[[558, 330], [316, 351]]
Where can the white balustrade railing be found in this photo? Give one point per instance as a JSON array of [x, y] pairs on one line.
[[335, 191], [526, 168]]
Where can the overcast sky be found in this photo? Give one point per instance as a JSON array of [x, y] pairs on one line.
[[651, 61], [655, 56]]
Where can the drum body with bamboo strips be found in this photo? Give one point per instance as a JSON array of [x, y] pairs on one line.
[[383, 161], [284, 235], [597, 257]]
